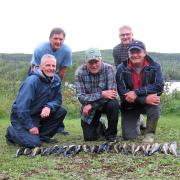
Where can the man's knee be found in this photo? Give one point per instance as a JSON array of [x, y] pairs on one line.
[[113, 105], [60, 113], [33, 142], [153, 112], [23, 137]]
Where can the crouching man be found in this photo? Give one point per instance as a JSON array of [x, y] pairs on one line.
[[37, 112], [140, 84], [96, 91]]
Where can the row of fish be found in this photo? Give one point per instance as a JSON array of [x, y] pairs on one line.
[[112, 147]]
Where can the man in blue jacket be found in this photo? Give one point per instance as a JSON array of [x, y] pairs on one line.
[[37, 112], [140, 84], [56, 47]]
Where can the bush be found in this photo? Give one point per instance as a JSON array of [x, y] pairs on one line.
[[170, 101]]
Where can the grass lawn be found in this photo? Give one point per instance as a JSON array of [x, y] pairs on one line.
[[93, 166]]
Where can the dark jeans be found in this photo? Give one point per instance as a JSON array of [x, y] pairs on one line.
[[47, 128], [93, 131], [130, 120]]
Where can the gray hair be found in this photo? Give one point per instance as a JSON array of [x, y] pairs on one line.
[[125, 27], [57, 30], [47, 56]]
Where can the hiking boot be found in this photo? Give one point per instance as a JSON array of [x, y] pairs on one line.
[[148, 138], [20, 151], [62, 131]]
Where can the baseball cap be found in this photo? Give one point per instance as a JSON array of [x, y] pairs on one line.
[[92, 54], [137, 45]]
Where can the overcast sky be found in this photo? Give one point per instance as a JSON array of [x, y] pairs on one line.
[[26, 23]]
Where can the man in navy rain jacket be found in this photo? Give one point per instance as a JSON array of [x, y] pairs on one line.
[[37, 112]]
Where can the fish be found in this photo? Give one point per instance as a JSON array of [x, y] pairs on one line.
[[137, 150], [110, 146], [36, 151], [78, 149], [44, 151], [70, 151], [20, 151], [102, 148], [117, 147], [61, 150], [165, 148], [86, 148], [145, 148], [27, 151], [94, 149], [54, 149], [154, 148], [133, 148], [126, 148], [173, 149]]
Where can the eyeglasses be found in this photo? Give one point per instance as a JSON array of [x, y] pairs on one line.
[[126, 34]]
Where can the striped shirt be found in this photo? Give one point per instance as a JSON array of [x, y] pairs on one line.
[[89, 87]]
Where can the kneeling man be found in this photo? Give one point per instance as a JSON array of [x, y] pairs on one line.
[[140, 84], [37, 112], [96, 91]]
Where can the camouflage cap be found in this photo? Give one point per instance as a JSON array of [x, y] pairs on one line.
[[92, 54]]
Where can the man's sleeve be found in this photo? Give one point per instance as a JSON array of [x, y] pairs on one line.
[[36, 58], [23, 103], [111, 81], [67, 61], [121, 84], [83, 97]]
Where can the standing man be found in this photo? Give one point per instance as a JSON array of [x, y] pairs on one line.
[[120, 52], [96, 91], [37, 112], [140, 84], [62, 53]]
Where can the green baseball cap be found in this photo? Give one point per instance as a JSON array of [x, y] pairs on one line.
[[92, 54]]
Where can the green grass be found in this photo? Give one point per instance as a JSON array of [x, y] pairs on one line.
[[93, 166]]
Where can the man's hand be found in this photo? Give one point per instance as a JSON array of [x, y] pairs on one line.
[[34, 130], [45, 112], [109, 94], [87, 108], [153, 99], [130, 96]]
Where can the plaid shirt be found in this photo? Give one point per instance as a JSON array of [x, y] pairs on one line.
[[120, 54], [89, 88]]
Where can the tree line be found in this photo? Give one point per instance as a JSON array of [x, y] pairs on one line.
[[14, 68]]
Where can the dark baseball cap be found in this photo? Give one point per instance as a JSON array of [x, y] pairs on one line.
[[137, 45]]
